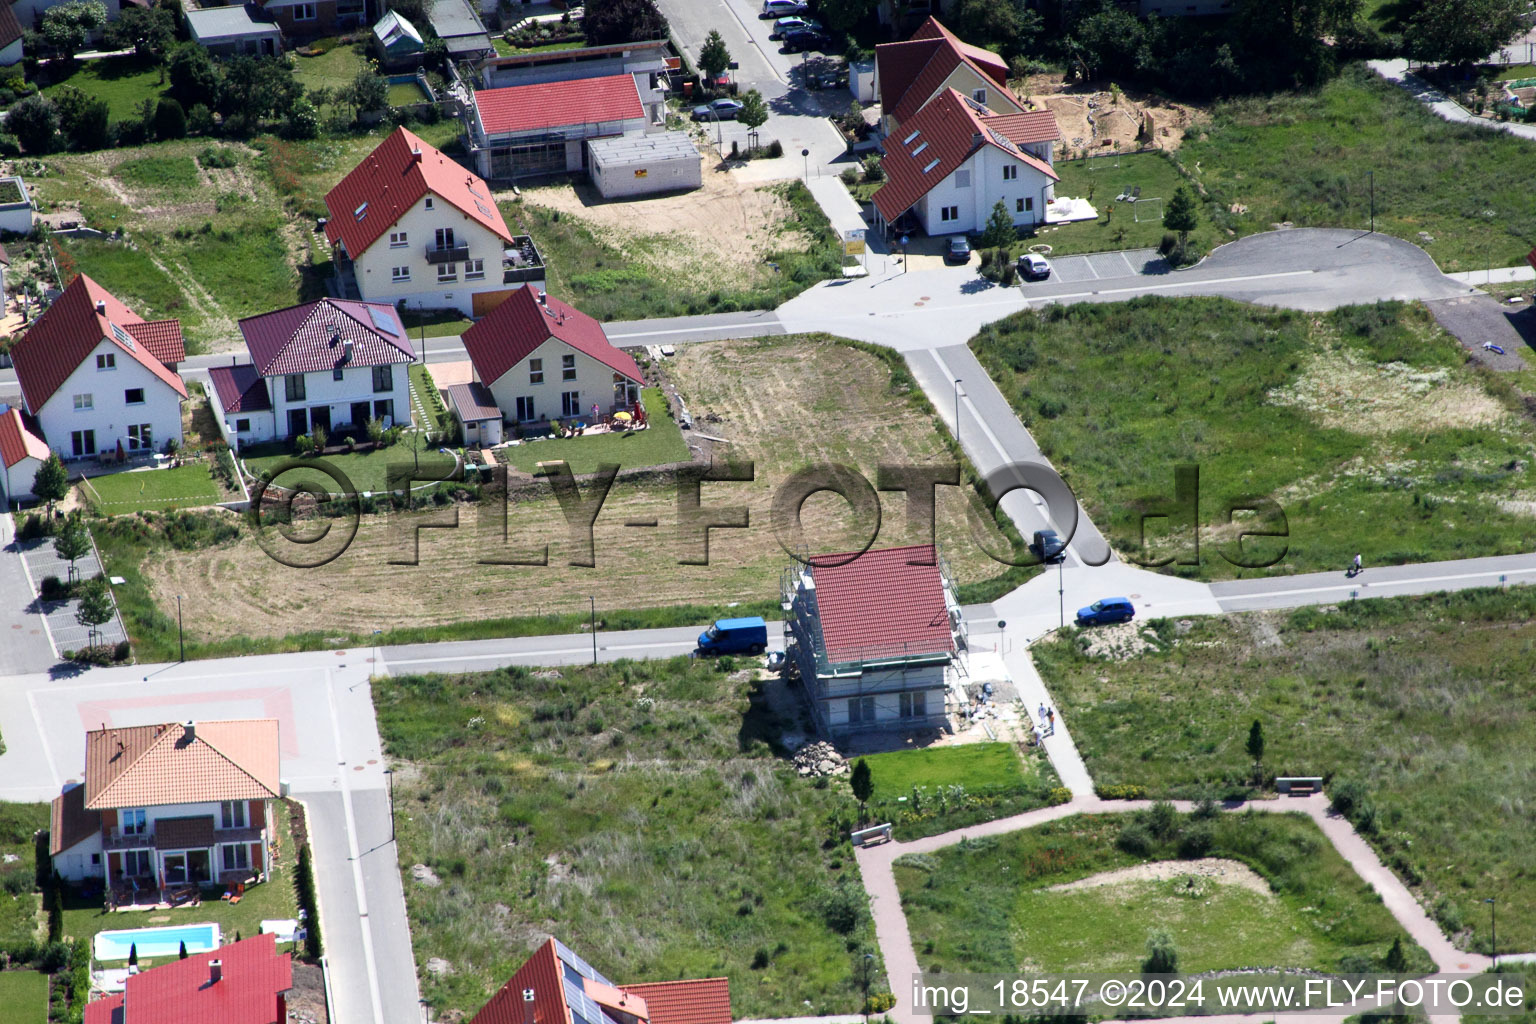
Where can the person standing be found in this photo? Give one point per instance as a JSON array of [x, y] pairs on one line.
[[1357, 567], [1050, 714]]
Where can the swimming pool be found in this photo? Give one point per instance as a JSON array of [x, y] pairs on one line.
[[152, 942]]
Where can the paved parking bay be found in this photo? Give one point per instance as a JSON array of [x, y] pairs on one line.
[[1101, 265], [66, 634]]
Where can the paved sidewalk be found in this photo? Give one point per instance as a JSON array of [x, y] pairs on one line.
[[891, 931], [1396, 71], [24, 645]]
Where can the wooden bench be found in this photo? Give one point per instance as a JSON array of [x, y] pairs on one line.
[[870, 836], [1299, 785]]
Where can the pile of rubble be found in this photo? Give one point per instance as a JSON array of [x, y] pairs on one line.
[[819, 759]]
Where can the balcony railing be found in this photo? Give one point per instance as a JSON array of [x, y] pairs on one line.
[[116, 839], [447, 253]]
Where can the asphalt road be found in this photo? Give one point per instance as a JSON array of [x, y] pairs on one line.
[[1374, 581]]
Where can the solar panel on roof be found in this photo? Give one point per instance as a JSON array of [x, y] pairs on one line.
[[122, 336], [1002, 141], [383, 321], [484, 210]]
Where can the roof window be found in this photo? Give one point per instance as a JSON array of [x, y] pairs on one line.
[[361, 212], [931, 165]]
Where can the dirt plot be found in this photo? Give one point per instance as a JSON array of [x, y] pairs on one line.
[[1093, 119], [1217, 869], [784, 403], [713, 237], [1342, 388]]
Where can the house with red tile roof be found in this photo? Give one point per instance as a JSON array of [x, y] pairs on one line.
[[94, 375], [332, 363], [555, 986], [951, 162], [541, 360], [543, 127], [164, 806], [910, 74], [873, 637], [22, 454], [410, 225], [245, 982]]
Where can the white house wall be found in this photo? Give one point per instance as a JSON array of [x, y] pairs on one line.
[[986, 187], [18, 480], [110, 414], [260, 425], [966, 82], [356, 385], [664, 174], [373, 268], [594, 380]]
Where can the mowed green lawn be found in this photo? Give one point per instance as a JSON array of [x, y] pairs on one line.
[[635, 810], [974, 765], [365, 471], [1305, 158], [1364, 426], [986, 905], [124, 82], [660, 443], [1423, 703], [936, 789], [334, 69], [1103, 178], [23, 997], [156, 490]]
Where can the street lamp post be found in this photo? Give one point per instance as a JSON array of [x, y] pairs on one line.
[[592, 602], [389, 779], [1373, 201], [1493, 928], [806, 155], [1061, 590], [904, 240], [181, 640], [957, 410], [1490, 215]]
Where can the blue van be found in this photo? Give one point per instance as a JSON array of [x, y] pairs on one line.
[[735, 636]]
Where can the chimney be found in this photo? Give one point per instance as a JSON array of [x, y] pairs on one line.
[[415, 154], [234, 360], [346, 351], [215, 971], [543, 298], [527, 1006], [189, 731], [101, 307]]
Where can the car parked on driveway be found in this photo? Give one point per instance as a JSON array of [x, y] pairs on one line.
[[1034, 267], [722, 109], [781, 8], [959, 250], [1106, 611], [800, 39], [793, 23]]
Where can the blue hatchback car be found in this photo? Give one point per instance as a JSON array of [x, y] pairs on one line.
[[1110, 609]]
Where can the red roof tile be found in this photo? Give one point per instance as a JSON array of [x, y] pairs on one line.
[[5, 257], [912, 71], [312, 336], [948, 130], [519, 108], [540, 972], [254, 976], [880, 606], [390, 181], [240, 388], [68, 332], [705, 1001], [10, 28], [69, 822], [507, 334], [156, 765], [1026, 128], [161, 337], [16, 441], [473, 401]]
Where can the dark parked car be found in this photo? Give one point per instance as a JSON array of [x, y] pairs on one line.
[[722, 109], [1102, 613], [1049, 547], [802, 39], [959, 250], [793, 23]]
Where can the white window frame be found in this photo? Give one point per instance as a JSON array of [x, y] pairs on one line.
[[1010, 172], [536, 371], [129, 391], [568, 366], [242, 426], [299, 9], [525, 405], [570, 403], [232, 814], [474, 270], [399, 273], [142, 860], [241, 859], [949, 213], [85, 402], [106, 361], [398, 239], [980, 96], [913, 704], [447, 272], [428, 204], [140, 437], [137, 821], [861, 710], [82, 443]]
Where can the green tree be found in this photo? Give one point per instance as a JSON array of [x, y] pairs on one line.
[[83, 118], [258, 87], [754, 112], [194, 77], [1459, 31], [67, 26], [414, 11], [73, 542], [1182, 214], [1397, 960], [95, 606], [1297, 20], [52, 480], [999, 231], [622, 21], [861, 781], [1007, 26], [368, 91], [56, 915], [303, 121], [182, 955], [714, 58], [34, 120], [133, 954], [149, 31], [170, 119], [1162, 955], [1256, 741], [845, 15]]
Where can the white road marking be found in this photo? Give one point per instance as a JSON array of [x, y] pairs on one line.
[[33, 584], [42, 737], [585, 648], [1178, 284]]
